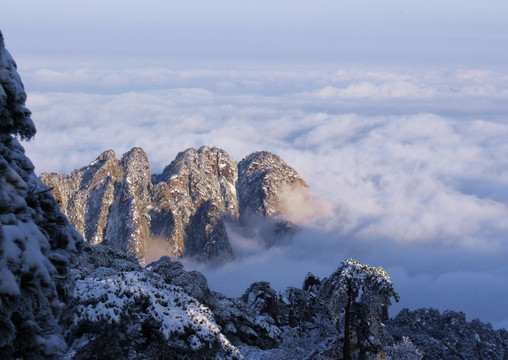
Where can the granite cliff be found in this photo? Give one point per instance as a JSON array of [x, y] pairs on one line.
[[183, 210]]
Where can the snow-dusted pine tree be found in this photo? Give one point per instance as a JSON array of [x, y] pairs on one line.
[[359, 303], [403, 350], [36, 240], [14, 116]]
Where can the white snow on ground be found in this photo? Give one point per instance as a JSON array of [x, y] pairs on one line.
[[177, 313]]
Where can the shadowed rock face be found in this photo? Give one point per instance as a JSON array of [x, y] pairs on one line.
[[180, 211], [209, 242]]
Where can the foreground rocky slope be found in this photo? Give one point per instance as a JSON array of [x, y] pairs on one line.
[[181, 211], [125, 311], [122, 311], [164, 312]]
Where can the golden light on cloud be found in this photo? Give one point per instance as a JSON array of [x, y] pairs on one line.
[[301, 206]]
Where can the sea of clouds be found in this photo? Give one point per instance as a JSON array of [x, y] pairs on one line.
[[408, 168]]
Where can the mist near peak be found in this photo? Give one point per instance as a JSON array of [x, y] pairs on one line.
[[408, 168]]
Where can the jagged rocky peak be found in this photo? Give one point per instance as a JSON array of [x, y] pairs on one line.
[[107, 200], [196, 176], [136, 166], [128, 222], [86, 194], [105, 166], [262, 178], [183, 210], [105, 156], [190, 199]]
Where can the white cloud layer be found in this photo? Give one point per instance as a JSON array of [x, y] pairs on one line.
[[413, 166]]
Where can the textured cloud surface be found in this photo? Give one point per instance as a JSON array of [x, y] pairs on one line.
[[413, 166]]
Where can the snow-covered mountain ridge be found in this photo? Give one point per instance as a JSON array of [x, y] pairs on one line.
[[181, 211]]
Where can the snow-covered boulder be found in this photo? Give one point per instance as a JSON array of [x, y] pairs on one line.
[[192, 282], [239, 322], [262, 299], [136, 315]]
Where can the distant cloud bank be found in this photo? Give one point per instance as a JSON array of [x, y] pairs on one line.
[[413, 166]]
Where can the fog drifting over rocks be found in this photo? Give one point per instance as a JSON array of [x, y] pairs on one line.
[[409, 169]]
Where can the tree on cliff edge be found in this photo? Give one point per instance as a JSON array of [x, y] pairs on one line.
[[14, 116], [360, 299]]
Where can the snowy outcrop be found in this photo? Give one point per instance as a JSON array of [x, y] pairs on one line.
[[123, 311], [262, 300], [239, 322], [182, 211], [448, 335], [36, 240]]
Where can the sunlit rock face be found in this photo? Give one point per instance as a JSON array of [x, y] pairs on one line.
[[183, 210], [262, 177], [197, 190], [128, 223], [86, 195], [36, 240], [108, 196]]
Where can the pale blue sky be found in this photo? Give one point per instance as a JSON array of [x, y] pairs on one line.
[[465, 32]]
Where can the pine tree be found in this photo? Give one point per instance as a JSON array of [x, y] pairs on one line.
[[36, 240], [360, 299], [14, 116]]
